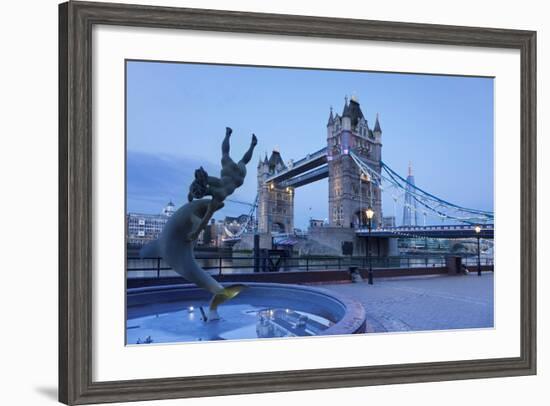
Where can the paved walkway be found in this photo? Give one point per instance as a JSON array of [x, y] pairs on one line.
[[436, 302]]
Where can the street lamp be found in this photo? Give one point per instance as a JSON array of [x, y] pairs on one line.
[[370, 214], [478, 230]]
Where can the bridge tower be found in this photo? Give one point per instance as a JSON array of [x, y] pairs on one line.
[[275, 203], [350, 193]]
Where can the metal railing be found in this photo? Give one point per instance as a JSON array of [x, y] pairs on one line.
[[155, 267]]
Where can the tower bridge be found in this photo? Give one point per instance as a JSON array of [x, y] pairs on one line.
[[350, 190], [357, 177]]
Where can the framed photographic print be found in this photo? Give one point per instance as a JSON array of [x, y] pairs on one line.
[[259, 202]]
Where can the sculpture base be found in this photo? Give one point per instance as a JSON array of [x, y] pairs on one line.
[[213, 315]]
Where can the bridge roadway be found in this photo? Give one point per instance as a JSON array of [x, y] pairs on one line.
[[436, 231], [311, 168], [306, 178]]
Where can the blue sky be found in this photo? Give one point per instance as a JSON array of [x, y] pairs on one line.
[[177, 114]]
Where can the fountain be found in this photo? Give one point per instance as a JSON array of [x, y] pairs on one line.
[[179, 313], [262, 310]]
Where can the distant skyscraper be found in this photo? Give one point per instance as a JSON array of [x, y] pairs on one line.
[[410, 213]]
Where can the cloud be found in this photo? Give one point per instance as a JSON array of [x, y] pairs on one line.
[[153, 180]]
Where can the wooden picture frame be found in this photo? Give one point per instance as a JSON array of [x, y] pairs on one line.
[[76, 20]]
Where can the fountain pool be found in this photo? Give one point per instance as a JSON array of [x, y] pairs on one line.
[[178, 313]]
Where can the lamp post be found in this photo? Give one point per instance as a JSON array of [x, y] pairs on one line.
[[478, 230], [370, 214]]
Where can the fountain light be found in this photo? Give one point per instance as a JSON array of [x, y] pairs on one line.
[[191, 309]]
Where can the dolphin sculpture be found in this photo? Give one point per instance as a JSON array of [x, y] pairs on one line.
[[176, 249], [177, 239]]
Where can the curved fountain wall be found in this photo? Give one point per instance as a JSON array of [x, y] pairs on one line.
[[348, 315]]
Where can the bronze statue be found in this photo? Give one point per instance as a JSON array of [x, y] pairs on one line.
[[231, 177], [176, 242]]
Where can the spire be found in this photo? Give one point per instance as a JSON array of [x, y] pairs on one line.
[[345, 113], [330, 118], [275, 160], [265, 159], [353, 111], [377, 125], [410, 168]]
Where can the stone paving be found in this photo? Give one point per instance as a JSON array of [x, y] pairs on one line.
[[437, 302]]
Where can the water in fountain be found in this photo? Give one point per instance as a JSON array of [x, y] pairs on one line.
[[184, 322]]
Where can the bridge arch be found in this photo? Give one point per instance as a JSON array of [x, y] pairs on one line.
[[279, 227]]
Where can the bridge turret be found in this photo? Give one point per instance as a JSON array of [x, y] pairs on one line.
[[346, 117], [377, 131], [276, 163], [330, 119], [263, 167], [330, 124], [260, 162], [354, 112]]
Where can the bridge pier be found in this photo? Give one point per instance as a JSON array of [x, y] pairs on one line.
[[379, 246], [263, 240], [393, 249], [333, 237]]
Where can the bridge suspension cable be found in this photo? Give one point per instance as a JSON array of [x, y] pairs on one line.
[[388, 179], [482, 212], [243, 227]]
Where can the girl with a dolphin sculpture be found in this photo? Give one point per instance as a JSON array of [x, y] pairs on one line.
[[176, 241]]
